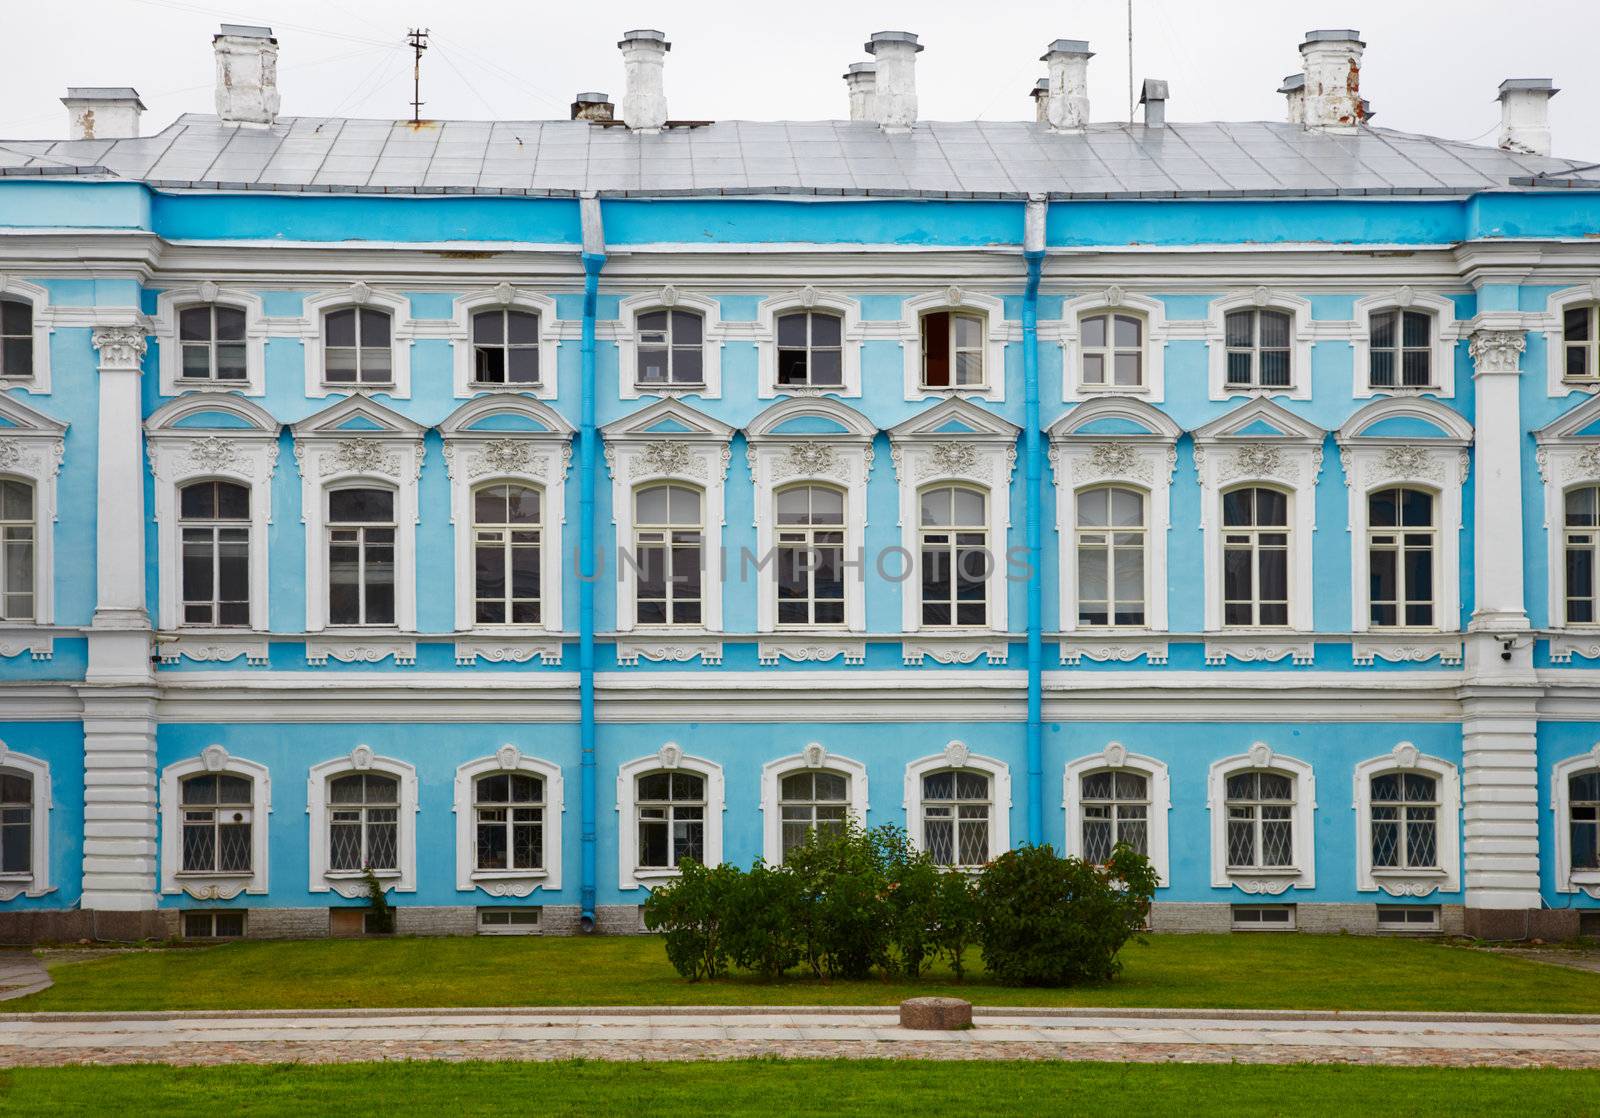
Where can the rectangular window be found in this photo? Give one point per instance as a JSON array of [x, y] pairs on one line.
[[17, 554], [1408, 918], [508, 921], [1580, 337], [211, 343], [952, 350], [213, 924], [16, 338], [1259, 349], [1401, 345], [1263, 918], [1113, 351], [356, 347]]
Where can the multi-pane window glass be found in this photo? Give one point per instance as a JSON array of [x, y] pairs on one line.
[[1400, 548], [669, 555], [1111, 540], [670, 348], [16, 338], [211, 341], [810, 558], [214, 527], [356, 347], [956, 806], [361, 529], [1116, 810], [1259, 348], [1260, 820], [1583, 807], [812, 801], [1401, 348], [955, 560], [1255, 558], [509, 810], [363, 822], [505, 347], [506, 544], [1580, 340], [1405, 821], [16, 823], [1582, 546], [17, 535], [216, 823], [811, 349], [952, 350], [670, 810], [1113, 351]]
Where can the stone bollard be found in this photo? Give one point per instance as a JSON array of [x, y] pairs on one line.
[[935, 1013]]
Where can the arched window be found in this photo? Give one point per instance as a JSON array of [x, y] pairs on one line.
[[1260, 344], [509, 811], [1255, 558], [1581, 540], [211, 342], [360, 541], [952, 350], [1116, 810], [17, 550], [1111, 556], [671, 348], [1261, 810], [1112, 350], [955, 561], [1583, 819], [356, 347], [16, 338], [505, 347], [363, 821], [1400, 353], [214, 530], [217, 820], [1401, 537], [1580, 341], [507, 542], [810, 350], [669, 555], [812, 800], [16, 822], [811, 551], [670, 817], [1405, 821], [957, 813]]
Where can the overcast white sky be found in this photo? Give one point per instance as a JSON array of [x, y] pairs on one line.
[[1431, 66]]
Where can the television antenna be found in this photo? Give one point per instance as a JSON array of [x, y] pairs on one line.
[[419, 43]]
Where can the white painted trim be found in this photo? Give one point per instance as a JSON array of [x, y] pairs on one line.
[[713, 334], [1302, 874], [1445, 332], [813, 758], [164, 328], [1116, 756], [362, 759], [1399, 882], [1556, 384], [766, 339], [956, 755], [503, 297], [1566, 460], [1566, 879], [402, 330], [1260, 298], [38, 882], [996, 332], [670, 757], [32, 446], [45, 319], [1069, 332], [508, 883], [214, 887]]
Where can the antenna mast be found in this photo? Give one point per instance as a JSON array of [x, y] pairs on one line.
[[1131, 101], [419, 43]]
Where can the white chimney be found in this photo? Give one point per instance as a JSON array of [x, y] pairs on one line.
[[1294, 89], [1525, 115], [247, 74], [861, 79], [895, 95], [1154, 99], [644, 96], [99, 112], [1069, 84], [1333, 79], [1041, 100]]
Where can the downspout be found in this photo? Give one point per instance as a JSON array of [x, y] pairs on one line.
[[594, 258], [1033, 457]]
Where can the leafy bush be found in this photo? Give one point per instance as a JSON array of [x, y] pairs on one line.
[[379, 919], [955, 920], [691, 911], [761, 927], [841, 880], [1049, 921]]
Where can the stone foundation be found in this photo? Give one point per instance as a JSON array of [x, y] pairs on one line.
[[1317, 918], [1521, 923]]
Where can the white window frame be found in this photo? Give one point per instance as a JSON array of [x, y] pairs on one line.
[[1113, 300], [1301, 335], [35, 883], [1269, 881], [1398, 881], [164, 328], [503, 297], [44, 324], [1568, 879], [766, 339], [997, 331], [1115, 757], [1567, 460], [214, 886], [32, 446], [712, 334], [956, 755], [352, 883], [1556, 305], [813, 758], [402, 332], [1446, 332], [671, 758], [508, 883]]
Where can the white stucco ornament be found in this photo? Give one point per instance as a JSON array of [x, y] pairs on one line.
[[361, 757], [508, 756], [208, 292], [214, 757], [1116, 754], [670, 755], [504, 293], [669, 296], [1260, 754], [1405, 755], [814, 754], [957, 754], [360, 293]]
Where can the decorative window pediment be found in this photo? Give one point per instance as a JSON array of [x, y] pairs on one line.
[[819, 379], [1290, 344], [41, 322], [1408, 832], [165, 328], [994, 332], [1444, 331], [1568, 454], [1262, 837], [676, 381], [522, 853], [226, 848], [1157, 802], [374, 824], [544, 339], [32, 446], [402, 330], [1150, 316]]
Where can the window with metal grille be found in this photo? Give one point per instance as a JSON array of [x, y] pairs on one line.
[[957, 806], [812, 801], [954, 559], [505, 347], [952, 350], [1260, 807], [1401, 350], [1255, 558], [17, 555], [669, 555], [1583, 810], [1401, 537], [16, 823], [1260, 349], [810, 350], [361, 528], [1113, 350], [671, 349], [217, 820], [506, 554], [1111, 557], [214, 527], [363, 822], [1116, 811], [16, 338], [810, 560], [211, 343], [356, 348], [509, 810], [1581, 539], [1580, 340], [670, 815], [1405, 821]]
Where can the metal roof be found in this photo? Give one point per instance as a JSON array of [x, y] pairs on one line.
[[941, 159]]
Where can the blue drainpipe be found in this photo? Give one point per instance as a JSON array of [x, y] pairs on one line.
[[1033, 455], [594, 258]]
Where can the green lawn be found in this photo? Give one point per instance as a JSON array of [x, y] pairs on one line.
[[774, 1087], [1239, 971]]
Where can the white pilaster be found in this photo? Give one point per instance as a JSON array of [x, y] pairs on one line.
[[1497, 443], [1500, 798], [119, 799]]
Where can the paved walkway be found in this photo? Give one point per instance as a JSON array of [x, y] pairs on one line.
[[21, 974], [1192, 1036]]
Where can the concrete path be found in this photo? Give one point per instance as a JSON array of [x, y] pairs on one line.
[[1194, 1036], [21, 974]]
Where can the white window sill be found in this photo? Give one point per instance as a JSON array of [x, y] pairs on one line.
[[16, 877], [1264, 871], [1584, 877], [358, 875], [363, 631], [1113, 390], [519, 386], [655, 874], [945, 389], [651, 389], [509, 875], [213, 875], [1397, 873]]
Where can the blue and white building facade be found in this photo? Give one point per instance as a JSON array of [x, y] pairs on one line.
[[513, 508]]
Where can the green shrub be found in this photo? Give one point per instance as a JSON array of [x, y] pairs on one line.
[[841, 881], [379, 919], [691, 912], [955, 920], [760, 928]]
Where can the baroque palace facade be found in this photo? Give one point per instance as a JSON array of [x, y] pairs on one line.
[[514, 508]]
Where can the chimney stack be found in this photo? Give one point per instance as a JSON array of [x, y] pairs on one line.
[[97, 112], [861, 80], [1041, 100], [247, 74], [593, 106], [1525, 115], [1068, 109], [1154, 99], [1294, 89], [644, 98], [895, 87], [1332, 98]]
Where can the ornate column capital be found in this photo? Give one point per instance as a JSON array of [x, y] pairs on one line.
[[1497, 351], [122, 347]]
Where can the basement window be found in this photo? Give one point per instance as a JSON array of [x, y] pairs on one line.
[[508, 921], [1263, 917], [1408, 918], [1589, 924], [208, 924]]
